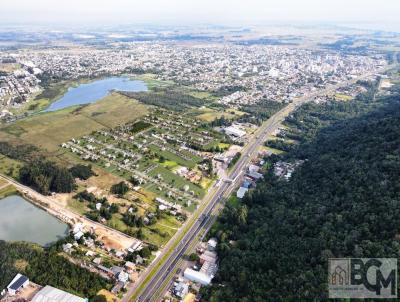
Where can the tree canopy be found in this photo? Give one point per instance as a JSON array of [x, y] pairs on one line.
[[343, 201]]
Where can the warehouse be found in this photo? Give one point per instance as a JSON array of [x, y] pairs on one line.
[[51, 294], [197, 277]]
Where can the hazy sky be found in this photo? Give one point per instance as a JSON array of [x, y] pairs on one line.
[[240, 12]]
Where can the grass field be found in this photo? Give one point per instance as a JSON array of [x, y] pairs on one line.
[[169, 164], [7, 191], [273, 150], [343, 97], [9, 167], [172, 157], [49, 130], [152, 82], [223, 146], [175, 180], [208, 114]]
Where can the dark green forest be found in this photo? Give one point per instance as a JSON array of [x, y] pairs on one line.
[[46, 267], [169, 99], [343, 201], [46, 177]]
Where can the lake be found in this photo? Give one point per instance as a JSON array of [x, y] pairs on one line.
[[20, 220], [94, 91]]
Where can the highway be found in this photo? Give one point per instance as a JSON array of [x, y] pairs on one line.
[[147, 289], [215, 195]]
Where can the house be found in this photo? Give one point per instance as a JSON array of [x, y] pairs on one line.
[[130, 267], [197, 277], [120, 254], [241, 192], [212, 244], [135, 246], [67, 248], [139, 259], [254, 175], [77, 228], [208, 256], [117, 287], [210, 269], [19, 281], [253, 168], [51, 294], [106, 270], [180, 289], [246, 184], [122, 277], [116, 270], [90, 254], [97, 260], [78, 235]]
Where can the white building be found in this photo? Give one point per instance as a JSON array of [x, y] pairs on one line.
[[197, 277], [234, 131], [241, 192], [51, 294], [212, 244], [19, 281]]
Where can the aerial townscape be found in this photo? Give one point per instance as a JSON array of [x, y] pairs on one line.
[[142, 161]]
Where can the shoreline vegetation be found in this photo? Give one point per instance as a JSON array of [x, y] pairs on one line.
[[52, 92]]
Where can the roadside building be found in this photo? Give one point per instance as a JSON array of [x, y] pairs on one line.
[[254, 175], [241, 192], [234, 131], [117, 287], [180, 289], [197, 277], [212, 244], [208, 256]]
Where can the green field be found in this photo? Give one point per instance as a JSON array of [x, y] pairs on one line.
[[208, 114], [151, 81], [343, 97], [175, 180], [172, 157], [9, 167], [7, 191]]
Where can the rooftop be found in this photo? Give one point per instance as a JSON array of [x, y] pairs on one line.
[[51, 294]]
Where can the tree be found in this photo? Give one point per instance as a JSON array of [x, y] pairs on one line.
[[46, 177], [194, 257], [99, 298], [145, 252], [81, 171], [120, 188]]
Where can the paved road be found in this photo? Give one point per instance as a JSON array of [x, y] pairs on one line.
[[168, 267]]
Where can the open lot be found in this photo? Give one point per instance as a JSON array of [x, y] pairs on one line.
[[208, 114]]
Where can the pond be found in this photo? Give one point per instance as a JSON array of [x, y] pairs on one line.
[[94, 91], [20, 220]]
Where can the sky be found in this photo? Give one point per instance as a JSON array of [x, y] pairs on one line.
[[383, 13]]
